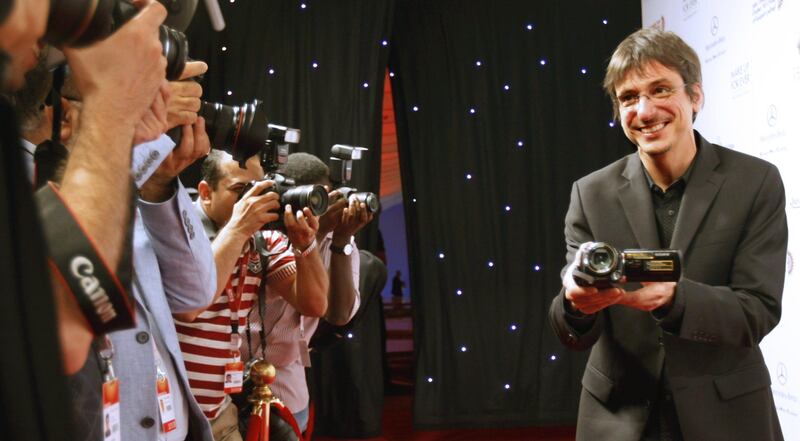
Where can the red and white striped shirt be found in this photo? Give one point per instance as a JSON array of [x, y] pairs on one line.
[[206, 342]]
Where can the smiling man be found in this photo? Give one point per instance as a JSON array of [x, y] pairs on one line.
[[675, 361]]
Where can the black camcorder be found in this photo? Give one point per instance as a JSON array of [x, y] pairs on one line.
[[341, 171], [78, 23], [600, 265]]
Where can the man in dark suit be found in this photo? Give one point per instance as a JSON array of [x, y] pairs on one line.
[[675, 361]]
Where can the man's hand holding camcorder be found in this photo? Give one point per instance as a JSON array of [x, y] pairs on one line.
[[650, 296], [587, 300], [256, 208]]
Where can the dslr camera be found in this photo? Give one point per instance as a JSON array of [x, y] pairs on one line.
[[78, 23], [600, 265], [341, 169], [243, 131]]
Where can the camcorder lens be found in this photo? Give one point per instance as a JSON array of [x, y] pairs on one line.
[[601, 260]]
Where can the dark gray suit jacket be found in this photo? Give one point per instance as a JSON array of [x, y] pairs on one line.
[[732, 232]]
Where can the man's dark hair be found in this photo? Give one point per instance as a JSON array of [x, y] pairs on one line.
[[305, 169], [29, 101], [211, 169]]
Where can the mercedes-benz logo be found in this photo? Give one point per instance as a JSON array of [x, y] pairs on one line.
[[714, 25], [772, 115], [783, 374]]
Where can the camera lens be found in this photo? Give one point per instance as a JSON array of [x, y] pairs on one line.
[[312, 196], [239, 130], [369, 199]]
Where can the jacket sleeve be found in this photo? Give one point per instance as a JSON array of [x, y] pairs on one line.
[[749, 307], [183, 251], [575, 332]]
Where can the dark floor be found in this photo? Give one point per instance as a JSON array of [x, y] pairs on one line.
[[397, 406]]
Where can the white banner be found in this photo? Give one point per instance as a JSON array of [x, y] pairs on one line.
[[750, 51]]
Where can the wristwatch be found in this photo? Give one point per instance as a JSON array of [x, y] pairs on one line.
[[346, 250]]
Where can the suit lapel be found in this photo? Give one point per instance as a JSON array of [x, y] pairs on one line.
[[634, 194], [702, 188]]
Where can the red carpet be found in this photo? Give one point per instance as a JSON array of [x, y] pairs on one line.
[[397, 426]]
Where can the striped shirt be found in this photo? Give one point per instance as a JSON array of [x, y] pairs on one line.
[[206, 342]]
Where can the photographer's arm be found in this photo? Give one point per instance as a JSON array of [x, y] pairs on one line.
[[184, 254], [307, 292], [343, 298], [249, 214], [118, 87]]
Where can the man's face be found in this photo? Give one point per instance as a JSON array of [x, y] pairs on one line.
[[220, 201], [19, 34], [657, 125]]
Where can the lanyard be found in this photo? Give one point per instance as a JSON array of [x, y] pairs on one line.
[[235, 302]]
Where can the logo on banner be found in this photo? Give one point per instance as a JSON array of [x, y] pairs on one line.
[[763, 8], [689, 8], [717, 47], [740, 80], [782, 374], [772, 115]]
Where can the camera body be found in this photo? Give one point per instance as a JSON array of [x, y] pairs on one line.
[[341, 171], [298, 196], [600, 265]]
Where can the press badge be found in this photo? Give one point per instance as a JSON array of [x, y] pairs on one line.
[[234, 377], [111, 426], [165, 409]]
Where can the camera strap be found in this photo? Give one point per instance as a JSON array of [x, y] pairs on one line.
[[80, 268]]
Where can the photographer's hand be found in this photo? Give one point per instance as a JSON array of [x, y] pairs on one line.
[[194, 145], [354, 218], [301, 228], [256, 208], [184, 100], [333, 215], [154, 121]]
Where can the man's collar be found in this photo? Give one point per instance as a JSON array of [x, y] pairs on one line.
[[28, 146]]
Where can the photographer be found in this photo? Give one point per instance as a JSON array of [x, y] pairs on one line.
[[44, 160], [288, 330], [174, 272], [121, 79], [675, 360], [211, 337]]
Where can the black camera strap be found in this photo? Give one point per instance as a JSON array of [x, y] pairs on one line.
[[80, 268]]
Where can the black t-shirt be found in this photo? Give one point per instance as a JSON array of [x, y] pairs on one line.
[[33, 392]]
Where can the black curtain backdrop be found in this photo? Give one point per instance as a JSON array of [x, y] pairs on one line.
[[487, 357], [328, 103], [511, 370]]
